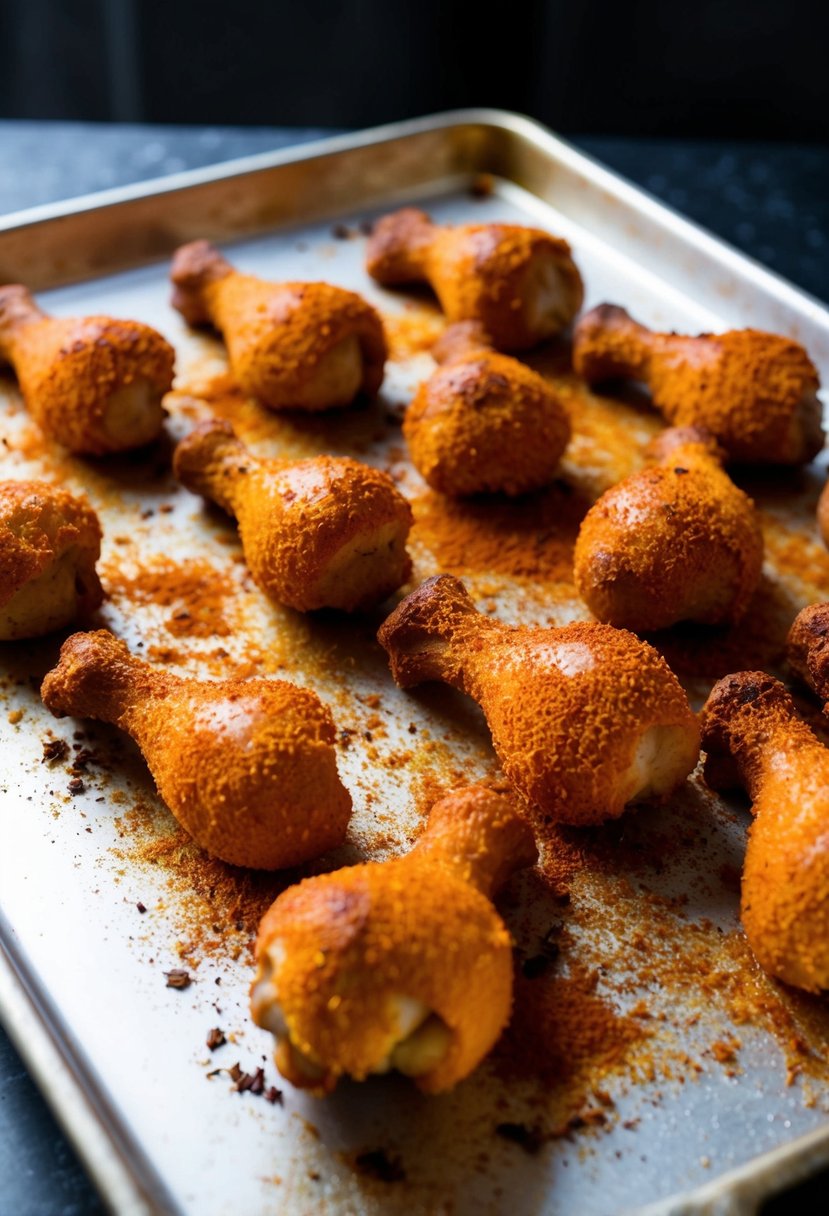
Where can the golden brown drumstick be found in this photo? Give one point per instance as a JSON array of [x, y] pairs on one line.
[[585, 719], [402, 964], [755, 392], [50, 541], [92, 383], [807, 649], [676, 542], [484, 423], [307, 346], [520, 283], [753, 737], [326, 532], [247, 767]]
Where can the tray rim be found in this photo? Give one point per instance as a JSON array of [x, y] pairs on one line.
[[126, 1180]]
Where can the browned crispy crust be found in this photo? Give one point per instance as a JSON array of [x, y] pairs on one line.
[[754, 391], [752, 733], [323, 532], [674, 542], [341, 946], [807, 648], [69, 368], [40, 526], [484, 423], [277, 334], [567, 708], [479, 272], [246, 766]]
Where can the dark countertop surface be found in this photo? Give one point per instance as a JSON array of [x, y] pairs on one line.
[[768, 200]]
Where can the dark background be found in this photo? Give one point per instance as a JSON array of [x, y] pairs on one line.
[[727, 69]]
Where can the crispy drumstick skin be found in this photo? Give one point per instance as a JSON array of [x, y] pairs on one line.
[[247, 767], [675, 542], [755, 392], [327, 532], [484, 423], [400, 964], [50, 541], [92, 383], [753, 737], [807, 648], [307, 346], [585, 719], [520, 283]]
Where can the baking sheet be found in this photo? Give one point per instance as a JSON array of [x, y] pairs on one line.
[[691, 1095]]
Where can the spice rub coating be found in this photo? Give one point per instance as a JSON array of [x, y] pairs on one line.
[[327, 532], [807, 648], [755, 392], [307, 346], [674, 542], [484, 423], [521, 283], [247, 767], [585, 719], [753, 737], [50, 541], [402, 964], [94, 384]]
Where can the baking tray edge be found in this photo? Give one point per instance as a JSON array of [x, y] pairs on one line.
[[487, 141]]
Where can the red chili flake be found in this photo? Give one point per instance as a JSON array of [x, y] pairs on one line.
[[141, 907], [273, 1095], [178, 978], [215, 1038]]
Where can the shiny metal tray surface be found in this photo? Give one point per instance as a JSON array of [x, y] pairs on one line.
[[123, 1058]]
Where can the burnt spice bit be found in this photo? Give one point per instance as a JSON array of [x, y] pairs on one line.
[[215, 1038], [54, 750], [530, 1139], [379, 1164], [178, 978], [141, 907], [76, 786]]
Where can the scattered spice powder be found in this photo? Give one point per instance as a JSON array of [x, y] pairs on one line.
[[196, 592]]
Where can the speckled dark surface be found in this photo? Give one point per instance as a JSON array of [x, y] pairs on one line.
[[770, 201]]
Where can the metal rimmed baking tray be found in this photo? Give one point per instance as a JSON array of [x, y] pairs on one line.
[[122, 1057]]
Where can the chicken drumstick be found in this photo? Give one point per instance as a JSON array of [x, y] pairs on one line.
[[520, 283], [326, 532], [92, 383], [484, 423], [50, 541], [247, 767], [676, 542], [753, 737], [402, 964], [755, 392], [585, 719], [307, 346]]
